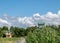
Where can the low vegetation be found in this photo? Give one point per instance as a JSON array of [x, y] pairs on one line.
[[49, 34], [46, 34], [8, 40]]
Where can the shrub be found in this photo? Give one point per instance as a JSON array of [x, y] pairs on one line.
[[44, 35]]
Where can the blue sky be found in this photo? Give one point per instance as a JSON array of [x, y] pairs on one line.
[[28, 7], [30, 12]]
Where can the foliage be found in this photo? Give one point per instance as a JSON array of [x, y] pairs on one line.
[[0, 32], [5, 28], [30, 29], [44, 35], [17, 31], [47, 34]]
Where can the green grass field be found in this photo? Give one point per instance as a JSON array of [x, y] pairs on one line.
[[8, 40]]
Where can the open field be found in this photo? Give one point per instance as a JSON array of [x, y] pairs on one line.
[[8, 40]]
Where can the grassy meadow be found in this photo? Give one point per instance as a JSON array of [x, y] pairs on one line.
[[8, 40]]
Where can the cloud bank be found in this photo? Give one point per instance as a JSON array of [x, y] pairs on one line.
[[48, 18]]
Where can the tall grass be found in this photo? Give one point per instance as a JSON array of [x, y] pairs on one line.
[[8, 40]]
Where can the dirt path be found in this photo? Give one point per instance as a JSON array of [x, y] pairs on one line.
[[21, 40]]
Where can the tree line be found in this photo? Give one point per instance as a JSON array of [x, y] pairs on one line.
[[46, 34], [16, 31]]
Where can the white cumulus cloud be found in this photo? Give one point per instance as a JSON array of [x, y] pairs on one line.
[[26, 20], [2, 21], [48, 18]]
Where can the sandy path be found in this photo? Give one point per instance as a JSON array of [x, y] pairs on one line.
[[21, 40]]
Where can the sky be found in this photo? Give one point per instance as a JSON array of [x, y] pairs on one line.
[[28, 7], [24, 13]]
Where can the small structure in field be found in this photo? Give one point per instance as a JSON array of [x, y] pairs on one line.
[[8, 34]]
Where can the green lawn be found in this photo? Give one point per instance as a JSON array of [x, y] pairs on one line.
[[8, 40]]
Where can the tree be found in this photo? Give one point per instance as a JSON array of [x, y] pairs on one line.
[[5, 28], [0, 32], [17, 31], [44, 35]]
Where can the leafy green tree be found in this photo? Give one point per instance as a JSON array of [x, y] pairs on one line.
[[17, 31], [28, 29], [5, 28], [44, 35], [0, 32], [12, 29]]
